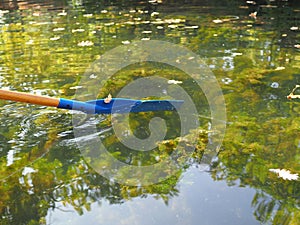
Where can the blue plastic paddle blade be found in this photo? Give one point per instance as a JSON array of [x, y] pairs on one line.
[[116, 105], [83, 106], [124, 105], [157, 105], [120, 105]]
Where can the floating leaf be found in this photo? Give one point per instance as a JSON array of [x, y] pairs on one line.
[[63, 13], [75, 87], [294, 28], [218, 21], [292, 95], [88, 15], [174, 82], [280, 68], [85, 43], [146, 32], [253, 15], [285, 174], [154, 13], [126, 42], [78, 30], [108, 99], [55, 38], [59, 29]]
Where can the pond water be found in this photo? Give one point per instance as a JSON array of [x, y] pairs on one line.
[[252, 52]]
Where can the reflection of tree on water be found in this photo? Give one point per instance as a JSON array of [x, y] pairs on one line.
[[23, 5], [265, 207], [261, 143], [70, 181], [9, 4], [63, 177]]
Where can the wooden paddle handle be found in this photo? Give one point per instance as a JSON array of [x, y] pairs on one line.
[[28, 98]]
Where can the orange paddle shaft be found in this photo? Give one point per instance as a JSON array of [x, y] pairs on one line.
[[29, 98]]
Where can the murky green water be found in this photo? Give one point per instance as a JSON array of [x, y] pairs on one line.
[[47, 46]]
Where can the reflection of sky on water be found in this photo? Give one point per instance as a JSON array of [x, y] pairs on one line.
[[200, 201]]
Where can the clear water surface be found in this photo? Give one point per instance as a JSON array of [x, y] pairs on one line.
[[253, 50]]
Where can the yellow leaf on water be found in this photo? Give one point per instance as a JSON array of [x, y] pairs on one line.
[[174, 82], [85, 43], [218, 21], [292, 95], [285, 174], [108, 99]]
